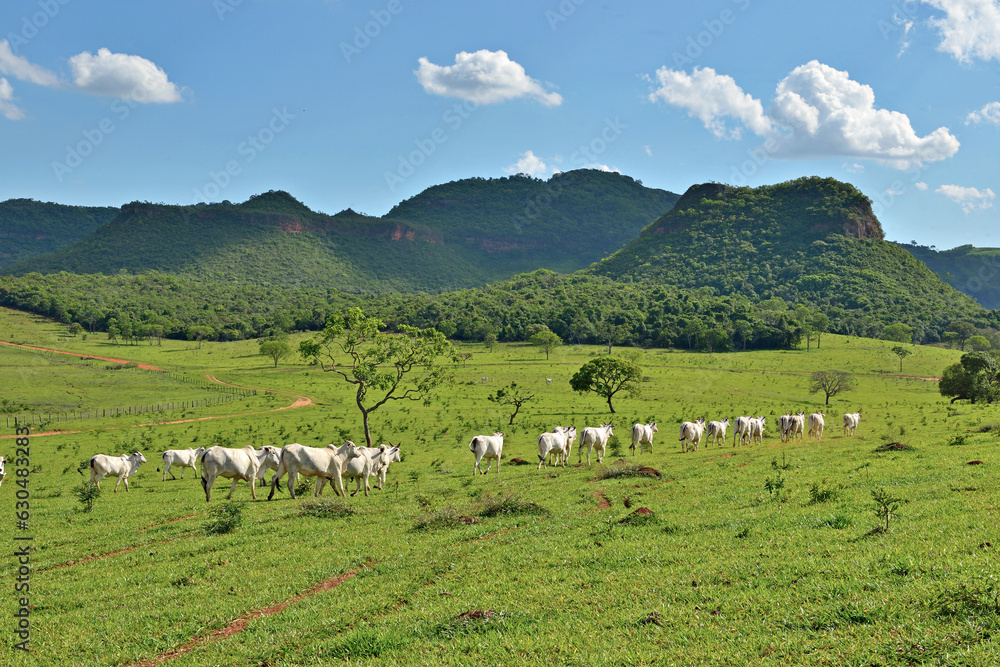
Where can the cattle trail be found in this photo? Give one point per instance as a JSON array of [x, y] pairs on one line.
[[112, 554], [240, 623]]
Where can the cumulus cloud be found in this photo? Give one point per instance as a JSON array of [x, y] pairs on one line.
[[19, 67], [602, 167], [970, 28], [920, 185], [817, 111], [649, 151], [7, 106], [990, 113], [529, 164], [122, 76], [970, 199], [484, 77]]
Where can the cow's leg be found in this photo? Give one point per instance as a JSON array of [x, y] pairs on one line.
[[232, 489], [292, 476], [205, 484], [253, 487]]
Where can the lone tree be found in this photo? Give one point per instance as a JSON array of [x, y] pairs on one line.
[[831, 383], [902, 353], [512, 394], [975, 378], [547, 340], [276, 349], [606, 376], [382, 367]]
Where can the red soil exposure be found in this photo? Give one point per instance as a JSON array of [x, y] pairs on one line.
[[112, 554], [974, 463], [517, 461], [77, 354], [240, 623], [650, 472], [643, 511], [602, 502]]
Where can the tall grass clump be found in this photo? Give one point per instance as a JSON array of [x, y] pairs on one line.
[[326, 508], [624, 469], [87, 494], [507, 503], [448, 516], [224, 518]]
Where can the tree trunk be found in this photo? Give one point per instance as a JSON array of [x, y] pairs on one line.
[[368, 432], [611, 407]]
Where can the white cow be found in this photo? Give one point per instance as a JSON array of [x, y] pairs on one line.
[[797, 426], [548, 380], [716, 430], [122, 467], [742, 431], [642, 434], [182, 458], [851, 420], [269, 463], [558, 442], [489, 447], [382, 465], [325, 463], [234, 464], [360, 468], [757, 426], [785, 426], [595, 438], [691, 433], [816, 425], [2, 461]]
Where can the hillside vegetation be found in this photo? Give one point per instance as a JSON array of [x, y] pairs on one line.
[[974, 271], [460, 234], [29, 228], [810, 240]]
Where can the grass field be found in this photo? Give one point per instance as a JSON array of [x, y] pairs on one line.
[[761, 555]]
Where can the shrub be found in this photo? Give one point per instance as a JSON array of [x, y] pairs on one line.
[[87, 494], [326, 508], [224, 518], [821, 494], [446, 517], [507, 503]]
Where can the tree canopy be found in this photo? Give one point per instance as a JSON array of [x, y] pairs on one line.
[[606, 376]]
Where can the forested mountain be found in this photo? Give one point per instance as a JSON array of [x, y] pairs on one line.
[[29, 228], [811, 240], [973, 271], [460, 234]]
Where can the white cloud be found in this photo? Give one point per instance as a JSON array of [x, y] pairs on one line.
[[484, 77], [710, 97], [970, 28], [817, 111], [920, 185], [854, 168], [602, 167], [19, 67], [529, 164], [970, 199], [122, 76], [990, 113], [7, 106], [649, 151]]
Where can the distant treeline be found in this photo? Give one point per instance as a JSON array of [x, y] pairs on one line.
[[579, 308]]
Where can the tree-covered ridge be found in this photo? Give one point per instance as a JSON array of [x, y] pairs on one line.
[[971, 270], [29, 228], [460, 234], [813, 241]]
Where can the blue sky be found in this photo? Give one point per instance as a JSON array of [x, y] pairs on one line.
[[364, 104]]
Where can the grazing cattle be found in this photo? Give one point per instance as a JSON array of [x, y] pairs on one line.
[[548, 380], [716, 430], [360, 468], [595, 438], [785, 426], [757, 430], [797, 426], [489, 447], [234, 464], [742, 431], [816, 425], [2, 461], [268, 463], [642, 434], [691, 433], [851, 420], [483, 379], [325, 463], [182, 458], [557, 442], [122, 467], [382, 465]]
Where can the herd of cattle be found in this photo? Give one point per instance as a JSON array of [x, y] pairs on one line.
[[350, 462], [556, 445], [336, 464]]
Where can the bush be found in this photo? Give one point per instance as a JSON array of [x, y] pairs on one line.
[[87, 494], [625, 469], [326, 508], [446, 517], [224, 518], [820, 494], [508, 503]]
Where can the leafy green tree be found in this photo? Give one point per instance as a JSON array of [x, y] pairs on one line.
[[382, 367], [962, 331], [489, 340], [606, 376], [547, 340], [957, 383], [513, 395], [978, 343], [898, 332], [831, 383], [820, 324], [975, 378], [902, 353], [200, 333], [275, 349]]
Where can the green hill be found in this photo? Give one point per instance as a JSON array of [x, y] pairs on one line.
[[973, 271], [29, 228], [460, 234], [811, 240]]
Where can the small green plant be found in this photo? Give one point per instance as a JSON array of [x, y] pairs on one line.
[[507, 503], [784, 465], [87, 494], [822, 494], [886, 505], [774, 486], [326, 508], [957, 440], [224, 518], [446, 517]]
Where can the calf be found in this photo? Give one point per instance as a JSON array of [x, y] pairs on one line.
[[642, 434], [595, 438], [182, 458], [489, 447], [757, 430], [851, 420], [122, 467]]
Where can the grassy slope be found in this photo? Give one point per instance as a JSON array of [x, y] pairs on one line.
[[736, 576]]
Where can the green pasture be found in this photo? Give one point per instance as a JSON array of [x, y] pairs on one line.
[[760, 555]]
